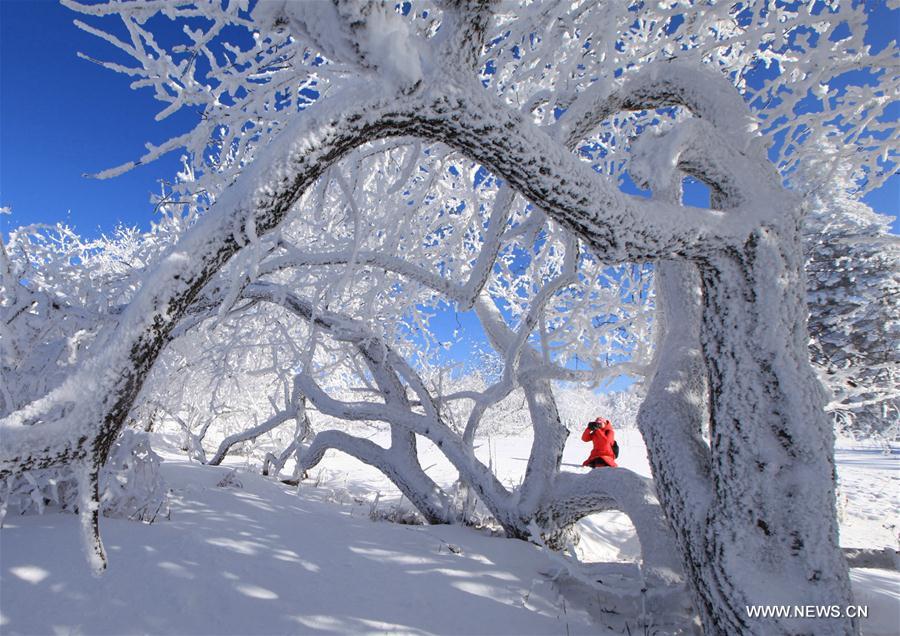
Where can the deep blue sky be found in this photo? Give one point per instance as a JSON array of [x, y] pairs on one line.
[[61, 117]]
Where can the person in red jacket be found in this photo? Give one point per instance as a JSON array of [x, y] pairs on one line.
[[601, 433]]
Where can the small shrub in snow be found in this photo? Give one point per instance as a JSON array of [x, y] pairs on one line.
[[230, 480], [131, 486], [397, 514]]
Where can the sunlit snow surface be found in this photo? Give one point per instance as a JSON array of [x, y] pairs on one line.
[[262, 559]]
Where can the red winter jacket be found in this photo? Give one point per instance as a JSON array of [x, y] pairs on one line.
[[603, 439]]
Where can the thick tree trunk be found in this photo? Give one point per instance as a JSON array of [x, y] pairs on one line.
[[753, 515], [771, 529], [397, 463], [674, 416]]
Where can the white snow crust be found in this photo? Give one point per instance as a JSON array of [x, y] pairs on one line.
[[263, 558]]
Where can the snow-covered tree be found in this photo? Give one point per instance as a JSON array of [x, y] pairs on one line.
[[59, 292], [854, 311], [554, 101]]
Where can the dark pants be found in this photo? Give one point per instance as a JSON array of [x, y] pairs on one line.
[[598, 463]]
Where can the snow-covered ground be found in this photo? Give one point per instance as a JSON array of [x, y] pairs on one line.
[[868, 495], [262, 558]]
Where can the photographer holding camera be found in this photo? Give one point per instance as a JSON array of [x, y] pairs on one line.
[[605, 450]]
